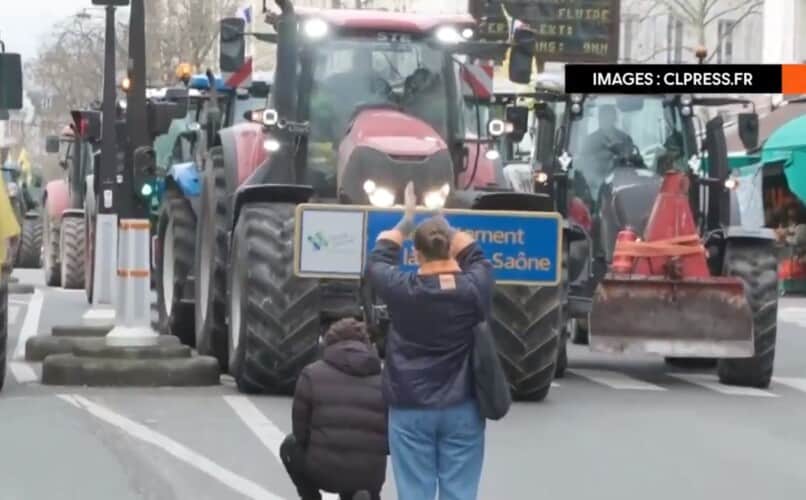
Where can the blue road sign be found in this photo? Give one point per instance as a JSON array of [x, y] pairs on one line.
[[524, 247]]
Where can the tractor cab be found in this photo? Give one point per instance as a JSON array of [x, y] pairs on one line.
[[374, 99]]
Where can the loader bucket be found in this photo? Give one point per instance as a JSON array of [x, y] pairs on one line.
[[700, 317]]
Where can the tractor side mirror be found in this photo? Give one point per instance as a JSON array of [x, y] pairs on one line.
[[232, 44], [52, 144], [518, 116], [10, 81], [521, 56], [716, 147], [748, 130], [546, 134]]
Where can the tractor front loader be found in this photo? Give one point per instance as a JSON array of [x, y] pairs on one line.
[[669, 267]]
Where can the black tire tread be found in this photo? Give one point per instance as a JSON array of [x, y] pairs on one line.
[[53, 274], [72, 270], [181, 322], [755, 263], [526, 322], [213, 340], [29, 255], [3, 328], [282, 320]]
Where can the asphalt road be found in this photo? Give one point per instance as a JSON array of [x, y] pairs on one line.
[[614, 428]]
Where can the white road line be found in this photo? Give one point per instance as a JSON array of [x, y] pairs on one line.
[[98, 313], [265, 430], [794, 383], [179, 451], [616, 380], [13, 313], [711, 382], [22, 371]]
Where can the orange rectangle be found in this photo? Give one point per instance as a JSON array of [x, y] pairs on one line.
[[793, 78]]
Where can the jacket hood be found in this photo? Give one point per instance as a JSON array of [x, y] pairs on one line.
[[353, 358]]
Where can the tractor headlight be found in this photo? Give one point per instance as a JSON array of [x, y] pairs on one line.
[[379, 196], [492, 154], [467, 33], [731, 183], [541, 177], [435, 199], [13, 189], [449, 34], [685, 111], [315, 28], [271, 145], [686, 99]]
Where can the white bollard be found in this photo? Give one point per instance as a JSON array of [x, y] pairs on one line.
[[133, 307], [106, 243]]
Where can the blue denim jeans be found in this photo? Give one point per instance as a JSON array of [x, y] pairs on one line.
[[437, 449]]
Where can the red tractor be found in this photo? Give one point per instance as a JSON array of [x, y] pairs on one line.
[[64, 200], [362, 103]]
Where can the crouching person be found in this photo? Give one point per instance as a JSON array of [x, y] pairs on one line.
[[339, 441]]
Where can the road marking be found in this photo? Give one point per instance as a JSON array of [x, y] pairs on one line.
[[265, 430], [795, 315], [711, 382], [138, 431], [98, 313], [21, 370], [13, 313], [794, 383], [616, 380]]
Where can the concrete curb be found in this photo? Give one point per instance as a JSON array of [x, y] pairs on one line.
[[81, 330], [70, 370], [40, 347], [100, 350]]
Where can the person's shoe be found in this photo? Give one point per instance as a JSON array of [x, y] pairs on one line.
[[362, 495]]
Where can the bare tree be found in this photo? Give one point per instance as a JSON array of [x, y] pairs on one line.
[[699, 16]]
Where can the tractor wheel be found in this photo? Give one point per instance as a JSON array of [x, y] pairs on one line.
[[755, 263], [274, 324], [579, 331], [210, 268], [177, 236], [29, 254], [50, 246], [72, 247], [3, 327], [527, 323]]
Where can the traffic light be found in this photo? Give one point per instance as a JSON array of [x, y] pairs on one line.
[[144, 178]]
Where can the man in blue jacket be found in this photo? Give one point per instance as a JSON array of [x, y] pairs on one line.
[[436, 434]]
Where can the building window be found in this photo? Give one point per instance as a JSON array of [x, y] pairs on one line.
[[674, 38], [725, 41]]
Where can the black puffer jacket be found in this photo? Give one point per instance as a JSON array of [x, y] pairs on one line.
[[339, 417]]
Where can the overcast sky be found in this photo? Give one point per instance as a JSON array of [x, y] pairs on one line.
[[24, 22]]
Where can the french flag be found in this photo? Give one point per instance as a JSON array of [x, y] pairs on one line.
[[245, 13]]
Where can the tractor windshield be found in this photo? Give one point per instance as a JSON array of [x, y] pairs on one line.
[[384, 70], [642, 131]]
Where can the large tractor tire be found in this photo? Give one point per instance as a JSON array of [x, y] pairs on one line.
[[275, 324], [527, 323], [755, 264], [72, 250], [29, 255], [3, 325], [177, 236], [51, 263], [212, 258]]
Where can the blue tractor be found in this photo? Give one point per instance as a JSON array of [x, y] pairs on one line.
[[182, 152]]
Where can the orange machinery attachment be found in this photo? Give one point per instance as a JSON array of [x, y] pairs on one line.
[[659, 296]]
